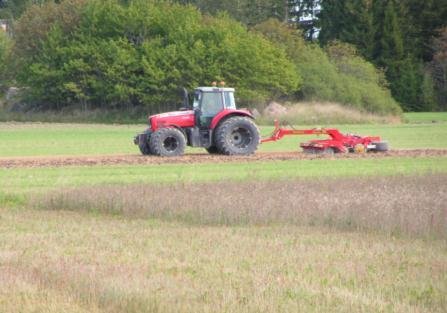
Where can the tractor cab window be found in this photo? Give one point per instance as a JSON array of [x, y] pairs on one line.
[[211, 103], [229, 100]]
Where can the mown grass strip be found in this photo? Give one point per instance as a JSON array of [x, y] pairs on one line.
[[23, 180]]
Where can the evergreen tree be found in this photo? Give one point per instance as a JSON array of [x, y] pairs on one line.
[[421, 21], [389, 46], [392, 34], [389, 54], [349, 21], [332, 20], [428, 94], [406, 83], [249, 12], [438, 68]]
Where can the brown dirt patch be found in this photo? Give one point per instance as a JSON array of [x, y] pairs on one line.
[[134, 159]]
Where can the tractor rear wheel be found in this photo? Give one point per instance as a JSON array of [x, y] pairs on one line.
[[381, 146], [237, 136], [167, 142]]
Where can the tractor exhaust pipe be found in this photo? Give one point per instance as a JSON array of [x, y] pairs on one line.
[[186, 99]]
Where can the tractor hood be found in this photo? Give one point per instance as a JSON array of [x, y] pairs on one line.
[[176, 118]]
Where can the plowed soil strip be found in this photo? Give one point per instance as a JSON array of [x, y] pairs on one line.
[[134, 159]]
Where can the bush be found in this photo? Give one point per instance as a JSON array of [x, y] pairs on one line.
[[338, 74], [141, 54], [5, 48]]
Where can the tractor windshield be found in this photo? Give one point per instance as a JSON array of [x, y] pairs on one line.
[[211, 103]]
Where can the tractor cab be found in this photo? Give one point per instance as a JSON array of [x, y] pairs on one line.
[[209, 102]]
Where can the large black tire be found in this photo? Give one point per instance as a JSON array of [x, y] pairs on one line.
[[145, 149], [237, 136], [143, 144], [381, 146], [167, 142], [212, 150]]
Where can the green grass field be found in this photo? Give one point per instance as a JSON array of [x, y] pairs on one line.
[[32, 139], [24, 180], [426, 117], [77, 254], [54, 261]]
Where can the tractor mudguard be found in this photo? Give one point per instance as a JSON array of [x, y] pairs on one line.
[[226, 113]]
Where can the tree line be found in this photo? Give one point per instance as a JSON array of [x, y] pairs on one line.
[[133, 53], [406, 38]]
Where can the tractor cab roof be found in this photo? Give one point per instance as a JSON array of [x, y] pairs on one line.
[[214, 89]]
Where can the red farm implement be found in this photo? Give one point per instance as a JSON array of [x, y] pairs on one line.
[[336, 143]]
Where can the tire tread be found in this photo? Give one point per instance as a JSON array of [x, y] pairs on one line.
[[156, 145], [220, 138]]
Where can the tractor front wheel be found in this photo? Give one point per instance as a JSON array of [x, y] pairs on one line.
[[143, 144], [212, 150], [145, 149], [167, 142], [237, 136]]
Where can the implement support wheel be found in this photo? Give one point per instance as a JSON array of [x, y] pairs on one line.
[[381, 146]]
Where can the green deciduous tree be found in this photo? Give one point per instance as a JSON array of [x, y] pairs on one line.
[[5, 49], [32, 28], [141, 53], [338, 75]]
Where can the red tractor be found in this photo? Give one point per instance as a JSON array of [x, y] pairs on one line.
[[213, 123]]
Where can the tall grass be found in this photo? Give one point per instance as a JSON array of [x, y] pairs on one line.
[[413, 206], [324, 113]]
